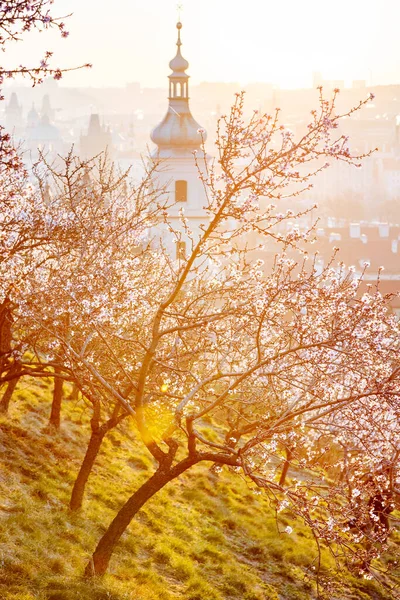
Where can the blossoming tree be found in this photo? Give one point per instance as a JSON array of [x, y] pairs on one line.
[[276, 356], [293, 367], [96, 259], [24, 224]]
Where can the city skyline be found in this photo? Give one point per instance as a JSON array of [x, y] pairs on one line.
[[283, 44]]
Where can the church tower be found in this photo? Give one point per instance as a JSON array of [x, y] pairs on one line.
[[13, 114], [179, 139], [97, 140]]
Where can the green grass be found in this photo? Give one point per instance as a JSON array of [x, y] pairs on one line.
[[203, 537]]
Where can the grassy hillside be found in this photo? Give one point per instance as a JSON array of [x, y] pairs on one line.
[[204, 537]]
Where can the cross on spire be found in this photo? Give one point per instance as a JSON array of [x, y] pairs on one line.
[[179, 8]]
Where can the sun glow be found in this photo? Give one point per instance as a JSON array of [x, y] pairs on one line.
[[232, 41]]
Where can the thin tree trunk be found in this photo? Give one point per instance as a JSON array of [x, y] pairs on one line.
[[75, 393], [286, 466], [5, 401], [6, 321], [55, 416], [92, 451], [101, 556]]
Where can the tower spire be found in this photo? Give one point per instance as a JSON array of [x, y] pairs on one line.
[[178, 64], [178, 129], [179, 27]]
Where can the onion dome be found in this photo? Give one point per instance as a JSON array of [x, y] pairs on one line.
[[178, 130], [45, 132]]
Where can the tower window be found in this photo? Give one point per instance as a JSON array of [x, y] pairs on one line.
[[181, 191], [180, 250]]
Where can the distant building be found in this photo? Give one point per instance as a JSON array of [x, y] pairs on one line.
[[43, 136], [359, 84], [33, 118], [367, 246], [13, 114], [97, 140], [319, 81], [47, 110]]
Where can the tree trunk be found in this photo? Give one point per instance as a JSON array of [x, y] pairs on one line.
[[5, 401], [96, 439], [286, 466], [75, 393], [6, 321], [92, 451], [55, 416], [101, 556]]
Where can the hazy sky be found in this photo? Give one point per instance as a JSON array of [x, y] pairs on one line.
[[227, 40]]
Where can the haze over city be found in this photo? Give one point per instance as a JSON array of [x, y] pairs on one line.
[[228, 40], [199, 300]]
